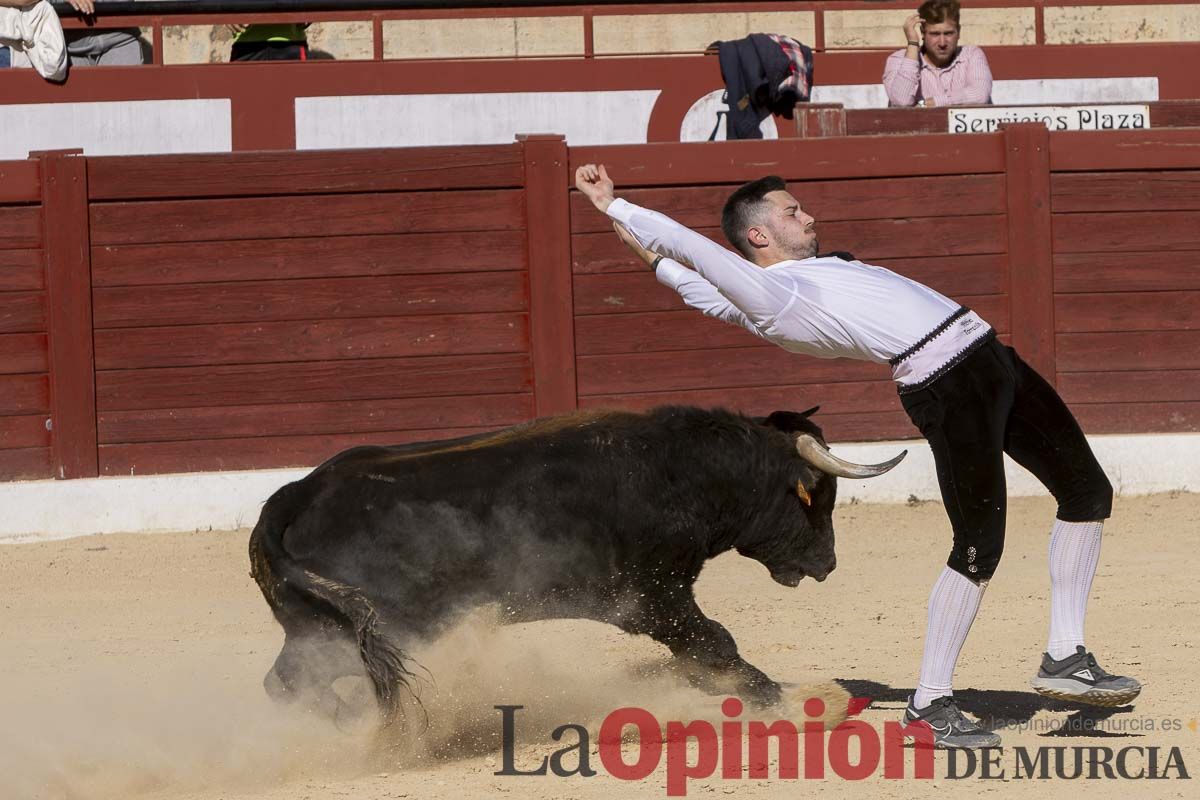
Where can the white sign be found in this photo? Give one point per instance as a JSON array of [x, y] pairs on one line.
[[1056, 118]]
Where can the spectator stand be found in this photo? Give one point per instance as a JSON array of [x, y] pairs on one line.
[[601, 82]]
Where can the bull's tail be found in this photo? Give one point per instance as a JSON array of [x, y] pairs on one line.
[[288, 587]]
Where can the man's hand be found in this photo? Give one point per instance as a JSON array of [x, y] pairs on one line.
[[84, 7], [912, 28], [633, 244], [594, 182]]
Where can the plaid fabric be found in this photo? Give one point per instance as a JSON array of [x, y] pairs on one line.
[[799, 81]]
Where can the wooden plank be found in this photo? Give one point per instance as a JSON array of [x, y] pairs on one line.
[[24, 394], [1031, 273], [21, 270], [758, 365], [304, 215], [311, 382], [1171, 190], [652, 331], [1138, 417], [309, 257], [22, 312], [311, 341], [547, 226], [1144, 386], [842, 157], [23, 352], [873, 241], [637, 290], [876, 121], [1135, 311], [20, 227], [1145, 231], [23, 431], [20, 182], [872, 427], [320, 340], [26, 464], [1132, 150], [318, 298], [69, 323], [1126, 272], [150, 458], [1128, 350], [318, 172], [308, 419], [684, 329], [827, 201]]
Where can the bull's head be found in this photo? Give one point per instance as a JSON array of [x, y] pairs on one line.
[[790, 558]]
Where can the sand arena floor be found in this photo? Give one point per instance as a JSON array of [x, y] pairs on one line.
[[132, 667]]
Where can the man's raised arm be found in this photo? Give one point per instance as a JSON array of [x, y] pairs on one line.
[[759, 295]]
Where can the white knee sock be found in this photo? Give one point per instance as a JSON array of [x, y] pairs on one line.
[[1074, 554], [952, 607]]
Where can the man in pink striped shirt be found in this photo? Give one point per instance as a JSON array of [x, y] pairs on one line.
[[940, 73]]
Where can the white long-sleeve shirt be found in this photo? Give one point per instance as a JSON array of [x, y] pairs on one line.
[[825, 307]]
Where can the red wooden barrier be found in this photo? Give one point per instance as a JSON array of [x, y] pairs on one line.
[[174, 313]]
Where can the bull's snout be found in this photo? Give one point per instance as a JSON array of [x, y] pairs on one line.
[[792, 577]]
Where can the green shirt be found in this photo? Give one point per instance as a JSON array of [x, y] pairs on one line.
[[293, 32]]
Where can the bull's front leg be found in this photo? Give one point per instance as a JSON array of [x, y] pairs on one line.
[[709, 656]]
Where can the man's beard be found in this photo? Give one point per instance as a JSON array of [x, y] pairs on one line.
[[801, 252]]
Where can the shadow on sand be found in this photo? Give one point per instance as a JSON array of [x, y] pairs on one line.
[[999, 709]]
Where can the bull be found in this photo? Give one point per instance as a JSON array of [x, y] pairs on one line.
[[607, 516]]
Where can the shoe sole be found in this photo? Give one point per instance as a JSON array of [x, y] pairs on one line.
[[1106, 698], [942, 744]]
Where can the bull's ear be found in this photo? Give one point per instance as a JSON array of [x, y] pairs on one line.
[[789, 421], [802, 493]]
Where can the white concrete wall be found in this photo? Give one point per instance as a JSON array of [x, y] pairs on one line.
[[40, 510], [134, 127], [415, 120]]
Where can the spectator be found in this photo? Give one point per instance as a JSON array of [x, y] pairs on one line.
[[34, 37], [938, 72], [285, 42], [91, 47]]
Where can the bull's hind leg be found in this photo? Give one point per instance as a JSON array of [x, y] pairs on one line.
[[709, 656]]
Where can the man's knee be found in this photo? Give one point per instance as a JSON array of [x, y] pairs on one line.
[[1090, 501], [976, 562]]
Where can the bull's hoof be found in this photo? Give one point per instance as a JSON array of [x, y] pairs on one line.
[[763, 695]]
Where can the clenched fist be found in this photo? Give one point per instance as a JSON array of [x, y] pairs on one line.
[[594, 182]]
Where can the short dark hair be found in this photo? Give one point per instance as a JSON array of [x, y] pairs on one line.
[[935, 12], [742, 210]]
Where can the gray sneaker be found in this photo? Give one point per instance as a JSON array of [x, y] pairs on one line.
[[951, 728], [1080, 679]]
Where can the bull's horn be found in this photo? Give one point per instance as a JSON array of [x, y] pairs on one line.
[[816, 454]]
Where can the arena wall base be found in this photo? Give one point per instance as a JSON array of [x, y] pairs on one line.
[[45, 510]]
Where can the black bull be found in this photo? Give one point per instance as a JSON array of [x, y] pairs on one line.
[[607, 516]]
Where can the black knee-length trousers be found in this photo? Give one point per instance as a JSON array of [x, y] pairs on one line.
[[989, 404]]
